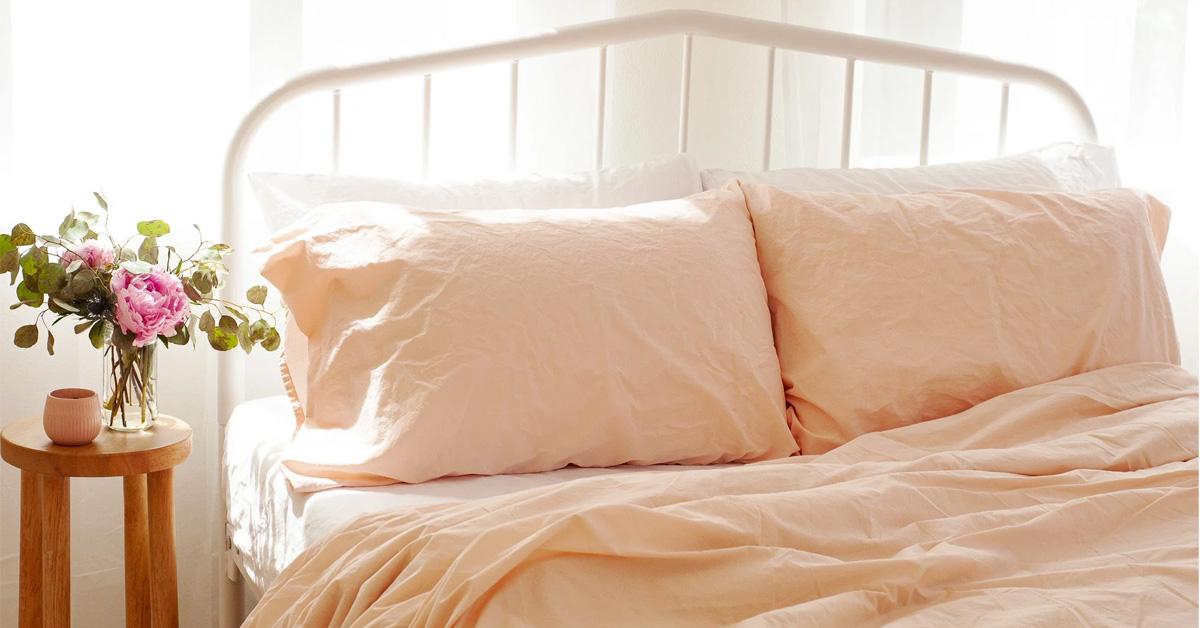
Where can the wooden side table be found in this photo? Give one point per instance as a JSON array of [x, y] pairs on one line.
[[146, 460]]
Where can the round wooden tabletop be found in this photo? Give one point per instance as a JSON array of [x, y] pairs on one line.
[[24, 445]]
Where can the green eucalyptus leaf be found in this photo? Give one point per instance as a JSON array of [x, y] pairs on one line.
[[228, 323], [51, 278], [126, 254], [220, 247], [91, 218], [49, 342], [180, 337], [122, 340], [64, 305], [34, 259], [29, 297], [76, 231], [153, 228], [82, 282], [84, 326], [207, 322], [74, 266], [257, 295], [271, 341], [6, 244], [22, 235], [26, 336], [67, 220], [100, 200], [98, 333], [10, 261], [243, 334], [190, 290], [137, 267], [148, 251], [222, 339], [237, 312], [258, 330], [202, 281]]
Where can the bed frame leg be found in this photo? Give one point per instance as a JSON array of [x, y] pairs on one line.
[[230, 595]]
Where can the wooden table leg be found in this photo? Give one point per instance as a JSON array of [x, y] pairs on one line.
[[56, 568], [30, 604], [164, 590], [137, 553]]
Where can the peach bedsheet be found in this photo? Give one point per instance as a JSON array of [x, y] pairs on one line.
[[1067, 503]]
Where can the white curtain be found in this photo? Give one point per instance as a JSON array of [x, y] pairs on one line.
[[138, 98]]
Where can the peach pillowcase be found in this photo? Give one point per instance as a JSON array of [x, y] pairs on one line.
[[889, 310], [512, 341]]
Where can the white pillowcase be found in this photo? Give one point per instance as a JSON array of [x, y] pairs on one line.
[[1064, 167], [284, 198]]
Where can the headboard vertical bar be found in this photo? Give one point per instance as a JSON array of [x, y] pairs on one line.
[[770, 111], [847, 111], [601, 102], [1002, 138], [336, 142], [512, 114], [685, 92], [427, 101], [926, 97]]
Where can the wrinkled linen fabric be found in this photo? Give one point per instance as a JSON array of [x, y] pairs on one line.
[[447, 342], [285, 198], [892, 309], [1061, 167], [1068, 503]]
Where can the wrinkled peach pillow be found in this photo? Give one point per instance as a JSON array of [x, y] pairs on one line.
[[512, 341], [889, 310]]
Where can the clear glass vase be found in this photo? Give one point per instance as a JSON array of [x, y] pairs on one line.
[[130, 387]]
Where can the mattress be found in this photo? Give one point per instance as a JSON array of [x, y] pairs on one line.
[[270, 525]]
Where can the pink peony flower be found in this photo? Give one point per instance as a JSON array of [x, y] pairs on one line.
[[94, 254], [149, 305]]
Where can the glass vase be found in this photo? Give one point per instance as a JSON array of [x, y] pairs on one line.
[[130, 387]]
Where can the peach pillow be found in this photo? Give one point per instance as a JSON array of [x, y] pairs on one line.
[[889, 310], [454, 342]]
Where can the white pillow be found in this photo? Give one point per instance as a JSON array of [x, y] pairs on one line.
[[284, 198], [1062, 167]]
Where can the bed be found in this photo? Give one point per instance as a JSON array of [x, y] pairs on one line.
[[918, 522]]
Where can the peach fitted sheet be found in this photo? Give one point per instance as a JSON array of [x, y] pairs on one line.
[[1067, 503]]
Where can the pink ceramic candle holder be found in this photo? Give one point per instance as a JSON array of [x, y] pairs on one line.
[[72, 416]]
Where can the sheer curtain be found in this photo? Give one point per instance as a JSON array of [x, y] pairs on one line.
[[138, 98], [135, 99]]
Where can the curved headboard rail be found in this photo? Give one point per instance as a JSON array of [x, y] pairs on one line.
[[599, 35]]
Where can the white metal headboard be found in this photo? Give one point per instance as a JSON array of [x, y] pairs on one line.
[[599, 35]]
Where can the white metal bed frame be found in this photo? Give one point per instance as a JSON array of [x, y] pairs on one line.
[[599, 36]]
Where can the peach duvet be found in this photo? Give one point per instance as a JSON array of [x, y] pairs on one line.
[[1067, 503]]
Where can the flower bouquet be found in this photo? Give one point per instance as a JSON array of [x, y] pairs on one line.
[[128, 300]]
